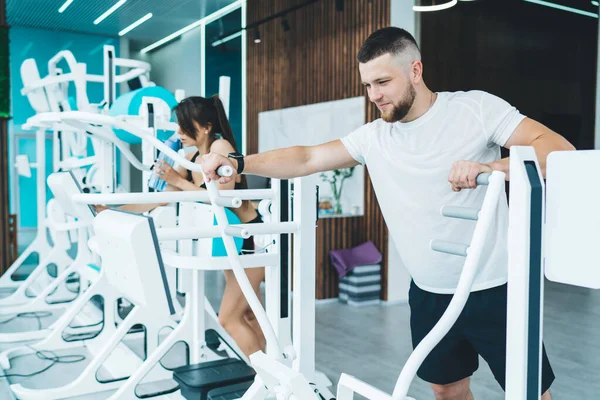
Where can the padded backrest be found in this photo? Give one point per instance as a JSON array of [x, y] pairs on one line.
[[132, 261], [29, 75], [572, 229], [63, 186], [130, 103]]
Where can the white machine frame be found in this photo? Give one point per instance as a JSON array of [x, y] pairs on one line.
[[553, 232], [48, 95], [304, 333], [543, 237]]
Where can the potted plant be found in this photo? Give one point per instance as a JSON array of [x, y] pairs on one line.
[[336, 180]]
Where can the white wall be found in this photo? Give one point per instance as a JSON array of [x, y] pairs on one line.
[[404, 17], [314, 124], [177, 65], [174, 66]]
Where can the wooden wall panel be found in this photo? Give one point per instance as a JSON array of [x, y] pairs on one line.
[[316, 62]]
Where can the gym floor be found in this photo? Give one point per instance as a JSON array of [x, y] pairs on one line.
[[372, 343]]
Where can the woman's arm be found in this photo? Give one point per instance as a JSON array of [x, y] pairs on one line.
[[177, 179], [136, 208]]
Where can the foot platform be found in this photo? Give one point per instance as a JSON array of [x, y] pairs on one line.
[[196, 381]]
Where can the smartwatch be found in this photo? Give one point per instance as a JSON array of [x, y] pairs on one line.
[[240, 161]]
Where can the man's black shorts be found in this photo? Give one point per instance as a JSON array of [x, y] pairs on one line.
[[480, 330]]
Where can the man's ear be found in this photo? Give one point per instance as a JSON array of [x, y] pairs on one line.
[[417, 71]]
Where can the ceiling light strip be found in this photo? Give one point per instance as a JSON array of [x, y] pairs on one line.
[[564, 8], [437, 7], [223, 11], [64, 6], [136, 24], [226, 39], [109, 11]]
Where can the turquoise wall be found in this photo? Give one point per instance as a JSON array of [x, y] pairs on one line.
[[226, 60]]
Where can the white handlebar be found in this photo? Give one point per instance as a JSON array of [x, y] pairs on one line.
[[463, 289], [238, 270]]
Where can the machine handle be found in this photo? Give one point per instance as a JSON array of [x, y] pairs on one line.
[[483, 179]]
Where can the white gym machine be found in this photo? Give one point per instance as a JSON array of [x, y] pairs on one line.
[[349, 385], [70, 152], [64, 186], [553, 231], [55, 338], [86, 383], [39, 304], [553, 228], [297, 359]]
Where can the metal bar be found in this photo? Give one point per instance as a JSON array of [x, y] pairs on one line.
[[483, 179], [271, 228], [460, 212], [168, 197], [443, 246]]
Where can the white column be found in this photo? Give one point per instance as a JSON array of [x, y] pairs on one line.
[[597, 125], [305, 213], [40, 159], [273, 289], [124, 166]]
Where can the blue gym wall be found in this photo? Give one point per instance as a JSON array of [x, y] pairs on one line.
[[226, 60], [220, 62], [42, 45]]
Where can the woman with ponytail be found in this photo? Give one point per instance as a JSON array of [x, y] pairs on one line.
[[204, 125]]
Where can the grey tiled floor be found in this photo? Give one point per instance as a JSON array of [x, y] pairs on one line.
[[372, 343]]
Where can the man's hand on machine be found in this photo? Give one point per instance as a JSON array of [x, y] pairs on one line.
[[463, 174], [211, 162]]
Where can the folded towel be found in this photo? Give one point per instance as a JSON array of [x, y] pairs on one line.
[[344, 260]]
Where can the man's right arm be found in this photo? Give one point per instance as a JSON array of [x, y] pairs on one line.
[[291, 162]]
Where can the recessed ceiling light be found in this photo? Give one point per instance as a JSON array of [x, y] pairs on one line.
[[64, 6], [109, 11], [136, 24]]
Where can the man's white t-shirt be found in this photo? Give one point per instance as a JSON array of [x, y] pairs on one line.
[[409, 164]]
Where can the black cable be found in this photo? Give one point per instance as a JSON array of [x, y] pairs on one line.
[[71, 337], [38, 315], [53, 358], [44, 314], [87, 326]]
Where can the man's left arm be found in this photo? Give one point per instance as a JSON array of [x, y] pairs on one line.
[[528, 133]]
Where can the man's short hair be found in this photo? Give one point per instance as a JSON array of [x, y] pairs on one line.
[[392, 40]]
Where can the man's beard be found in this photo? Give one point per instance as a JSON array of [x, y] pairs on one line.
[[400, 110]]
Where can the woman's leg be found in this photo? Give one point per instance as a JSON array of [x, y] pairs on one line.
[[257, 279], [234, 310]]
